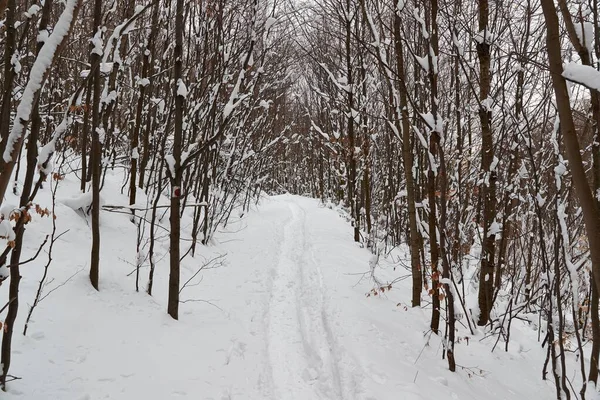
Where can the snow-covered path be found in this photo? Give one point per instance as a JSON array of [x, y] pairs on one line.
[[288, 319], [301, 352]]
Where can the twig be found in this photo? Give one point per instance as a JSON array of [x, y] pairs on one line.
[[61, 285], [203, 267], [133, 208], [7, 304], [201, 301], [12, 378], [53, 239], [35, 255]]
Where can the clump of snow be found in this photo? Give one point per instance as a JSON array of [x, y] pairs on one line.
[[540, 200], [494, 164], [270, 22], [97, 43], [7, 210], [585, 34], [429, 120], [181, 88], [494, 229], [16, 62], [159, 103], [459, 48], [101, 134], [559, 171], [6, 230], [43, 36], [45, 164], [82, 201], [484, 36], [109, 98], [487, 104], [583, 74], [423, 62], [186, 154], [105, 68], [143, 82], [33, 10], [4, 272], [439, 124], [170, 160]]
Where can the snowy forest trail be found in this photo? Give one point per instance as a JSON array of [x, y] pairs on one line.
[[301, 351], [286, 317]]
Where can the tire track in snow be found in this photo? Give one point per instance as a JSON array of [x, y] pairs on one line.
[[300, 353]]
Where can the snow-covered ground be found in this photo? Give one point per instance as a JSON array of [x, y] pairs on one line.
[[285, 318]]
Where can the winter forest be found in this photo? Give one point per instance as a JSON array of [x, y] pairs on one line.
[[299, 199]]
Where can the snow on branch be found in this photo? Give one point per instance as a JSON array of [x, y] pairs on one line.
[[484, 36], [319, 130], [123, 29], [40, 67], [341, 83], [582, 74]]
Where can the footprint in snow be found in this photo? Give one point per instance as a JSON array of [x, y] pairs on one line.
[[379, 378], [310, 374]]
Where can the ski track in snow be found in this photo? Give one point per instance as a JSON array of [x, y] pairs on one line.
[[300, 342]]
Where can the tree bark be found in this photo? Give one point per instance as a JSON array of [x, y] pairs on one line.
[[408, 161], [176, 175], [96, 154], [488, 187], [350, 150]]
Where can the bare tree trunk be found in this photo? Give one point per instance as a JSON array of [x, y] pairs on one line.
[[13, 308], [176, 175], [351, 157], [145, 88], [595, 352], [433, 171], [96, 154], [488, 187], [408, 161], [85, 133], [446, 271]]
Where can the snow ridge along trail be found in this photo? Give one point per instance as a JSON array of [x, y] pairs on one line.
[[299, 341]]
